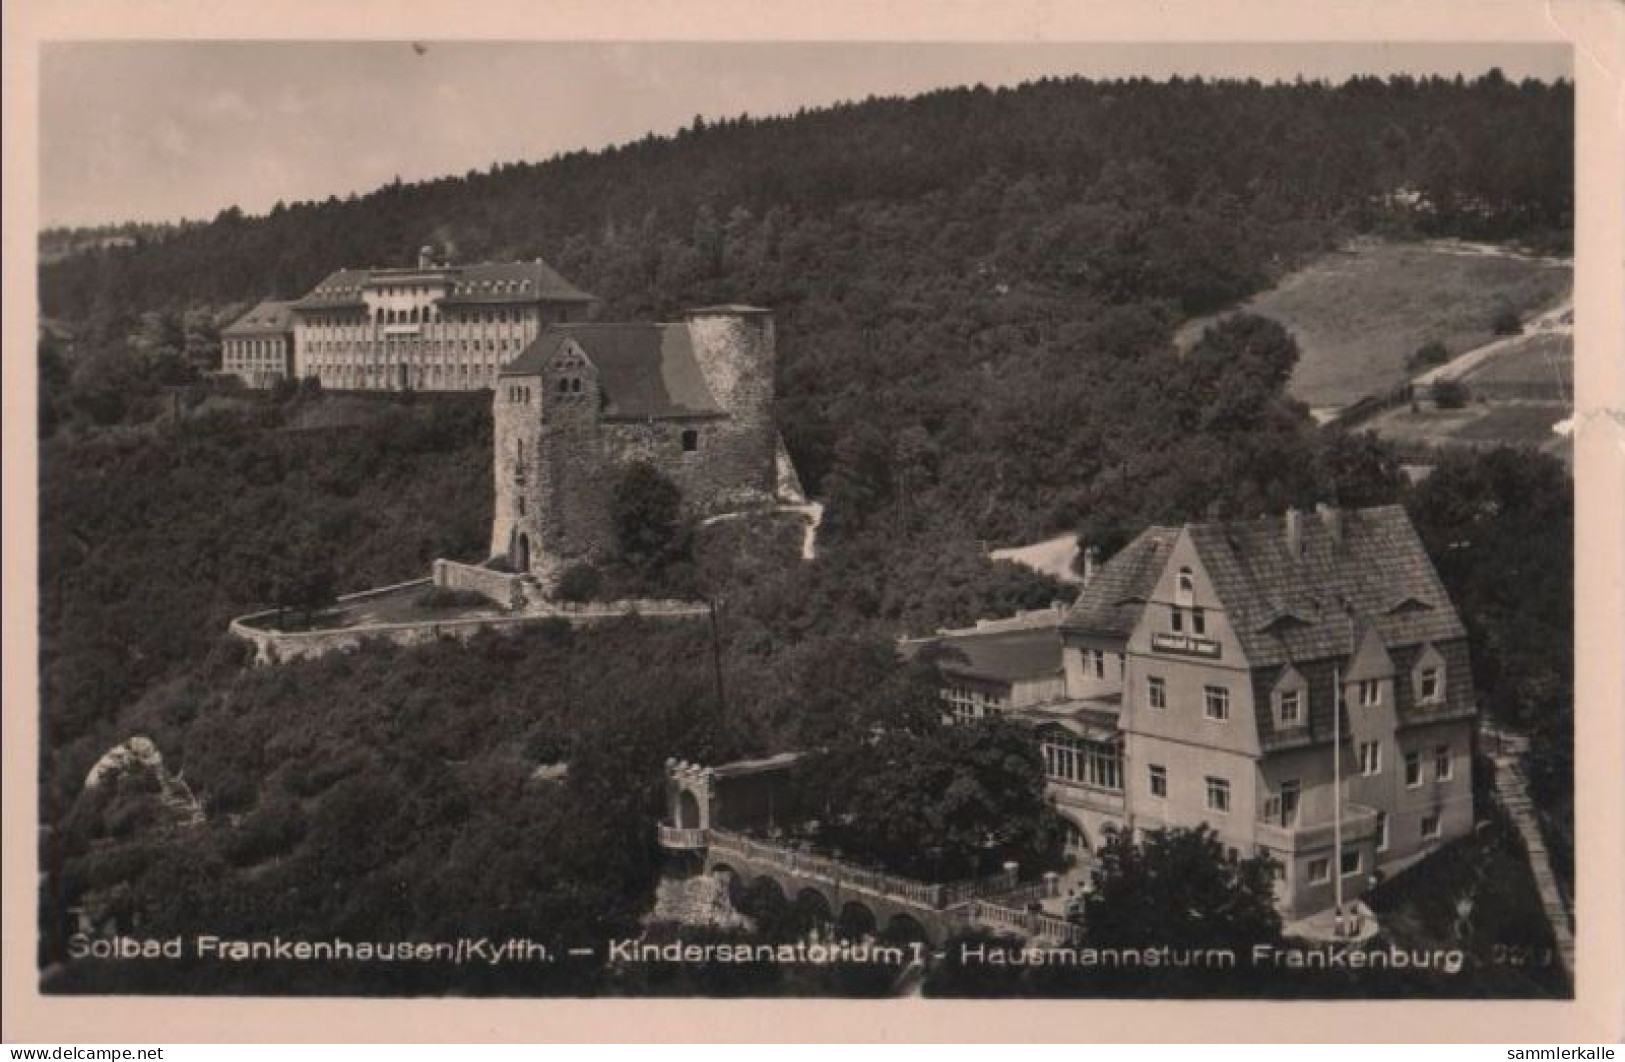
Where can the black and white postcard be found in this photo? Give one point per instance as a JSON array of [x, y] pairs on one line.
[[855, 516]]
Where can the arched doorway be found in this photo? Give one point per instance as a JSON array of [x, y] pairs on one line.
[[688, 811]]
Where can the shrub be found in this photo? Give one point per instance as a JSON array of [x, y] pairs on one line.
[[1448, 394], [1507, 323], [580, 582], [1429, 354]]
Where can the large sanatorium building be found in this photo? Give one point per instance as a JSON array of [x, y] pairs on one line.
[[1197, 677], [429, 327]]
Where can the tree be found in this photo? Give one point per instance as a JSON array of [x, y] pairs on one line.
[[953, 802], [646, 512], [1507, 323], [1179, 887]]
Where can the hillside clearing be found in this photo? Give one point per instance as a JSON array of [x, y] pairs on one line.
[[1358, 314]]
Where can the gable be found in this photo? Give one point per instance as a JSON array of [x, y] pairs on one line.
[[1371, 660]]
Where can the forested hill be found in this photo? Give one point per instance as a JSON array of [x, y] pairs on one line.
[[985, 166], [974, 286]]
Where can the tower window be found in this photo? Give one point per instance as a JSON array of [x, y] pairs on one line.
[[691, 441]]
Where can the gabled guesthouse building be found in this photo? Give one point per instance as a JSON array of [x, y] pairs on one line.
[[1209, 661]]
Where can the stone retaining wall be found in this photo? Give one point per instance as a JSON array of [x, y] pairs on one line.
[[277, 647]]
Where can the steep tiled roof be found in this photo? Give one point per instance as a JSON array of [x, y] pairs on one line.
[[509, 282], [269, 316], [340, 288], [1285, 608], [1111, 602], [484, 283], [1000, 656], [644, 370]]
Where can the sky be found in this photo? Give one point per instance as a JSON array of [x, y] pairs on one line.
[[160, 131]]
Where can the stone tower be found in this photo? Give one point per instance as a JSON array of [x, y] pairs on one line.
[[736, 350]]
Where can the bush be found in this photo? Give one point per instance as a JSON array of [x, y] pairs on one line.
[[580, 582], [1507, 323], [446, 597], [1429, 354], [1448, 394]]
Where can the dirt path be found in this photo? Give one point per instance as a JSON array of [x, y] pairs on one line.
[[1053, 557], [1559, 320]]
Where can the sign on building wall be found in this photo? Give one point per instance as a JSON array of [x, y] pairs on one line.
[[1185, 645]]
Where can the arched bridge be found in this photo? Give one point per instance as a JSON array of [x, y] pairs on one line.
[[716, 816]]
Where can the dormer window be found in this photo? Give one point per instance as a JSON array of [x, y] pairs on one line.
[[1427, 685], [1428, 677], [1186, 592], [1289, 707]]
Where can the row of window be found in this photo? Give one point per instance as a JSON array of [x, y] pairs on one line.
[[418, 315], [1291, 705], [1070, 759], [1094, 663], [1318, 871], [253, 346], [412, 346], [1368, 755], [967, 704]]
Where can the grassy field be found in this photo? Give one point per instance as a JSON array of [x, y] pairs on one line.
[[1542, 359], [1511, 423], [1359, 314]]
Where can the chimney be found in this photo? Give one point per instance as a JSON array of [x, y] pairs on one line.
[[1091, 560], [425, 257], [1332, 517], [1294, 533]]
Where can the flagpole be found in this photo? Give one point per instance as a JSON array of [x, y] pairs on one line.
[[1337, 800]]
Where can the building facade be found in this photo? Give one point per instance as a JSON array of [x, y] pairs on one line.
[[257, 348], [431, 327], [582, 402], [1291, 683]]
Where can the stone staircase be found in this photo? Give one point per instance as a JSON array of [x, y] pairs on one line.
[[1507, 749]]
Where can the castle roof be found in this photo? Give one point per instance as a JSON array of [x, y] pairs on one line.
[[1111, 602], [272, 315], [484, 283], [645, 371], [1373, 571]]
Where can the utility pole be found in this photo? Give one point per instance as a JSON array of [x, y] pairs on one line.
[[716, 652]]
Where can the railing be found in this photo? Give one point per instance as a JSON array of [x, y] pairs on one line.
[[1027, 923], [685, 840], [816, 867], [1000, 884]]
